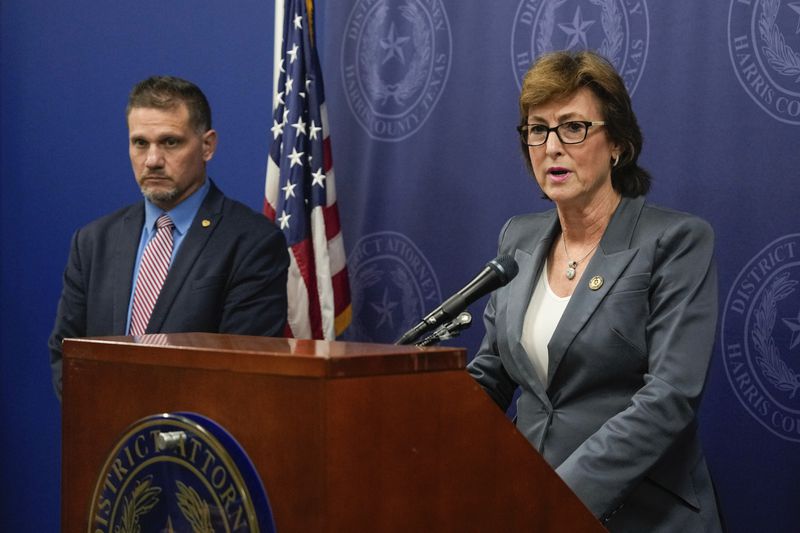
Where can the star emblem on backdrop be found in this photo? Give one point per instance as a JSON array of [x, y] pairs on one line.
[[794, 325], [576, 30]]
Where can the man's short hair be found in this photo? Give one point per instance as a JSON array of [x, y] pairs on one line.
[[168, 92]]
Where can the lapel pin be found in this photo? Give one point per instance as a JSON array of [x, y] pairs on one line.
[[205, 223], [596, 282]]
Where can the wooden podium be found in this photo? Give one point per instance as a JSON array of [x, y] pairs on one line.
[[345, 436]]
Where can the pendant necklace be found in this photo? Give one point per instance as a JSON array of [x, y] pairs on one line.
[[571, 264]]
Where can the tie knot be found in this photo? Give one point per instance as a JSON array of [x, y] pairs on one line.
[[164, 222]]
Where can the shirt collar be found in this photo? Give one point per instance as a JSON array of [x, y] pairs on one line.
[[182, 214]]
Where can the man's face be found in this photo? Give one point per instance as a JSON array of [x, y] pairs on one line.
[[168, 155]]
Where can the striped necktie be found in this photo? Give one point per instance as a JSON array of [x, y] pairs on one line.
[[152, 273]]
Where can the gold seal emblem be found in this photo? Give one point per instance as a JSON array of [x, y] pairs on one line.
[[596, 282], [178, 472]]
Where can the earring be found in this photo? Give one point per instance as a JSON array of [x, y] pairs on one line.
[[616, 160]]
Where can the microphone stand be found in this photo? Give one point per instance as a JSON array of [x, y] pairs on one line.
[[447, 331]]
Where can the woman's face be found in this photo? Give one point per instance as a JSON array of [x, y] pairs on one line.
[[572, 174]]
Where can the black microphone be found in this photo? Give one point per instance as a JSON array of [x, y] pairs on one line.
[[497, 272]]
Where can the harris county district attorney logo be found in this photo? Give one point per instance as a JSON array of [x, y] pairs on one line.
[[617, 29], [392, 287], [395, 63], [761, 337], [178, 472], [764, 44]]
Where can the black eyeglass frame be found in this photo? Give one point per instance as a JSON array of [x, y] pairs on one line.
[[523, 133]]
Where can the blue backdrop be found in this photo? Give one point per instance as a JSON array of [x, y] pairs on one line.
[[422, 101]]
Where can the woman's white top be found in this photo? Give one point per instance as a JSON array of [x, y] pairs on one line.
[[541, 318]]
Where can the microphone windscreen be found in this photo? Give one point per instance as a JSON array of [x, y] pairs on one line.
[[505, 266]]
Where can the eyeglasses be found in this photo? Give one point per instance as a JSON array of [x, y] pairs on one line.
[[572, 132]]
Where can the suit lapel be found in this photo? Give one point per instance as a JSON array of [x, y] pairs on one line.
[[126, 246], [530, 265], [611, 259], [203, 225]]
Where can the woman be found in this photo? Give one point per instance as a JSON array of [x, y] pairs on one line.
[[609, 327]]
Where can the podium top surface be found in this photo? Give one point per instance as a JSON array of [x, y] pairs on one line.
[[287, 357]]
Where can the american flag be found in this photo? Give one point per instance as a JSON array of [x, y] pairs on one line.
[[300, 194]]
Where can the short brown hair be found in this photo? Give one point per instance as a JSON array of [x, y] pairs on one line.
[[558, 75], [168, 92]]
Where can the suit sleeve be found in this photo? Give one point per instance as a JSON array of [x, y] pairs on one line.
[[255, 302], [680, 336], [486, 367], [71, 313]]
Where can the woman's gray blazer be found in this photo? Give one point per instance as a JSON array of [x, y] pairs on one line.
[[627, 366]]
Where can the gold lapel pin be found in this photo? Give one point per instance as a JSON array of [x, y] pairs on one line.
[[205, 223], [596, 282]]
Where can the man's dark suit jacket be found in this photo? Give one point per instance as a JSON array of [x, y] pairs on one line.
[[228, 276], [627, 366]]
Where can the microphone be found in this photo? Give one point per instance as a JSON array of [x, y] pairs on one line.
[[497, 272]]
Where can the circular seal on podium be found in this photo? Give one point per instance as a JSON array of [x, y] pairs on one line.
[[179, 472]]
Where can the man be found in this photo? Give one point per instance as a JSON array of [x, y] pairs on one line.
[[211, 264]]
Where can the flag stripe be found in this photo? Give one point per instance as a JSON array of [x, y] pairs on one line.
[[306, 267], [298, 313], [268, 211], [341, 283], [332, 227]]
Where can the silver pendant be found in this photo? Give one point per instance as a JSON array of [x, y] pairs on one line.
[[571, 266]]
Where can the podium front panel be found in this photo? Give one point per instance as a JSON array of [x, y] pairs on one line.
[[345, 436]]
